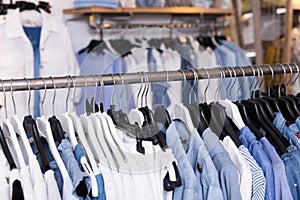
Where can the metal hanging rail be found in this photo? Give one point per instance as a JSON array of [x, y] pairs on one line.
[[131, 78]]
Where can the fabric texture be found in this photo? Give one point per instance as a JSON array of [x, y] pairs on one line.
[[256, 150], [258, 179], [228, 174]]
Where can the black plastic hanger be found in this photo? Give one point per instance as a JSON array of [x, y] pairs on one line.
[[161, 114], [3, 142], [45, 6], [56, 128], [30, 127], [6, 151], [290, 98], [24, 5], [220, 124]]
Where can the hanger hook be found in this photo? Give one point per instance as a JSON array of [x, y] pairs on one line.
[[252, 83], [234, 73], [184, 78], [230, 74], [114, 90], [290, 80], [54, 95], [297, 76], [44, 97], [74, 91], [147, 89], [262, 80], [123, 88], [221, 76], [282, 80], [243, 80], [140, 89], [207, 85], [273, 76], [223, 81], [68, 93], [144, 90], [4, 97], [195, 75], [101, 89], [165, 91], [85, 94], [12, 96], [29, 97]]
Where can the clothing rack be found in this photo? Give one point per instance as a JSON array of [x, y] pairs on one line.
[[138, 77]]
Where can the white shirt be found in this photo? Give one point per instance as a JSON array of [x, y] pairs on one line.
[[17, 60], [52, 189], [244, 171], [39, 185], [138, 176]]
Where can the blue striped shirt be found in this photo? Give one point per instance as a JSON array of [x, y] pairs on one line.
[[258, 179]]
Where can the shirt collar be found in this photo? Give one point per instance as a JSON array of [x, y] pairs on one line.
[[15, 28]]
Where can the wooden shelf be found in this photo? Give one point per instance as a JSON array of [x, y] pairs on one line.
[[166, 10]]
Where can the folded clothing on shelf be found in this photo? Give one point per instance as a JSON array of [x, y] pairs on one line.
[[100, 3]]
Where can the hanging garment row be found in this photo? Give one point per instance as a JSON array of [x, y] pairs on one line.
[[218, 150], [125, 55]]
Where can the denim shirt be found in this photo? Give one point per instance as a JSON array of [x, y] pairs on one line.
[[256, 150], [287, 132], [67, 155], [291, 161], [228, 174], [189, 189], [206, 173]]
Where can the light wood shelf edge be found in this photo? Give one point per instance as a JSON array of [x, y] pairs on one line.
[[166, 10]]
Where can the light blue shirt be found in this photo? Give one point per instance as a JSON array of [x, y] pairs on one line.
[[287, 132], [228, 174], [189, 189], [282, 190], [77, 176], [206, 173], [256, 150]]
